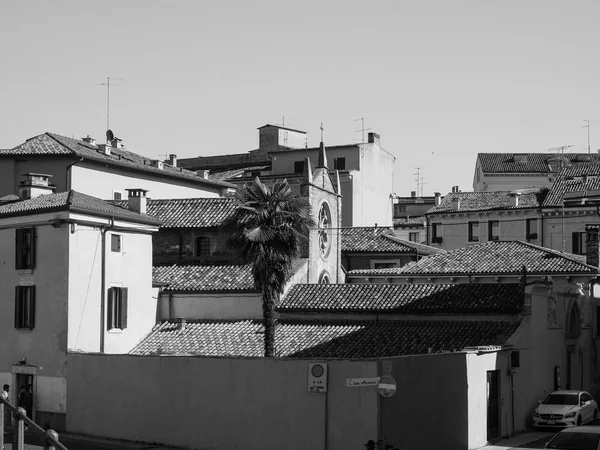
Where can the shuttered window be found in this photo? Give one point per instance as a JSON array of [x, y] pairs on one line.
[[25, 248], [24, 307], [117, 308]]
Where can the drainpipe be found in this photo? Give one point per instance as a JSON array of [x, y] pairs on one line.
[[67, 183], [512, 398], [103, 231]]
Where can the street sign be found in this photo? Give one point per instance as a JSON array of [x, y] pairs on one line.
[[317, 377], [361, 382], [386, 386]]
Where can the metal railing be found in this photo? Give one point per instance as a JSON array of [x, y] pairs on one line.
[[21, 420]]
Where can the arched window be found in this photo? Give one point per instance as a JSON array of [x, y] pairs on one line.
[[574, 322], [202, 246], [324, 278]]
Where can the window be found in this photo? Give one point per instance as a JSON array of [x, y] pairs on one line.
[[531, 229], [399, 210], [202, 246], [116, 195], [25, 307], [115, 243], [579, 242], [493, 230], [413, 237], [299, 167], [383, 264], [25, 248], [339, 163], [436, 233], [473, 231], [117, 308]]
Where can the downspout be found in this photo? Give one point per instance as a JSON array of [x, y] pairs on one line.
[[541, 227], [170, 305], [103, 231], [67, 181]]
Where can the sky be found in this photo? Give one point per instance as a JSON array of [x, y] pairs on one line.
[[440, 81]]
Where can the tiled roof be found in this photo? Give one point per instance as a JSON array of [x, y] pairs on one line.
[[237, 173], [379, 239], [324, 339], [571, 179], [188, 212], [203, 276], [410, 222], [71, 201], [482, 201], [405, 298], [528, 162], [491, 258], [54, 144]]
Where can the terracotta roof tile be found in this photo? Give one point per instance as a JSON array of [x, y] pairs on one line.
[[528, 162], [571, 179], [405, 298], [188, 212], [490, 258], [202, 276], [410, 222], [483, 201], [54, 144], [378, 239], [324, 339]]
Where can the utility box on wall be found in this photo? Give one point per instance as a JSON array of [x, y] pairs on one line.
[[317, 377]]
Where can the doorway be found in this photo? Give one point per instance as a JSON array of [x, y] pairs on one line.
[[493, 404], [27, 400]]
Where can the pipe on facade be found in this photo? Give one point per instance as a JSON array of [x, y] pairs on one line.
[[103, 231], [170, 305], [67, 172], [512, 398]]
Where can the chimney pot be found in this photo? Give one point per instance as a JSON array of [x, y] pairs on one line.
[[136, 199], [90, 140]]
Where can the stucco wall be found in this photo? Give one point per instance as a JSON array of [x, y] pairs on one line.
[[103, 182], [509, 182], [197, 305], [219, 403]]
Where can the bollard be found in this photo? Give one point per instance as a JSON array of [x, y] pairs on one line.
[[50, 438], [19, 440]]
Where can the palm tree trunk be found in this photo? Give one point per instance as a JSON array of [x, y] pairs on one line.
[[269, 298]]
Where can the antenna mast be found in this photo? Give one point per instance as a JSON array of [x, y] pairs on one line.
[[418, 180], [107, 84], [362, 129], [588, 135]]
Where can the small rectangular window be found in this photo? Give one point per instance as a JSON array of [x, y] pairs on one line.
[[25, 248], [413, 237], [202, 246], [24, 307], [299, 167], [578, 242], [473, 231], [117, 308], [436, 233], [116, 195], [115, 243], [399, 210], [493, 230], [531, 231], [339, 163]]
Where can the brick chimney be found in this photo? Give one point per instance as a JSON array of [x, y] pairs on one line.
[[137, 200], [591, 245]]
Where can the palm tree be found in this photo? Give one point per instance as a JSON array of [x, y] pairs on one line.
[[267, 231]]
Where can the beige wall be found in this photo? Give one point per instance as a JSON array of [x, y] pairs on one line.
[[198, 305], [219, 403]]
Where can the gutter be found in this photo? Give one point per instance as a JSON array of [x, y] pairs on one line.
[[67, 173]]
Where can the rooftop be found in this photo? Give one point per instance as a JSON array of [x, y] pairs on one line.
[[380, 239], [483, 201], [583, 177], [50, 144], [409, 222], [405, 298], [323, 339], [204, 276], [530, 162], [72, 201], [491, 258]]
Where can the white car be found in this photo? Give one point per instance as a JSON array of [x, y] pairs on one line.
[[565, 409]]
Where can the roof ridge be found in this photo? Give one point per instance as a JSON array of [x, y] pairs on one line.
[[554, 252], [52, 136]]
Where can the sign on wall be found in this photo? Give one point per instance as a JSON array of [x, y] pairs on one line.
[[317, 377]]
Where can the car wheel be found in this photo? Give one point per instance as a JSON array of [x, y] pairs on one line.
[[579, 421]]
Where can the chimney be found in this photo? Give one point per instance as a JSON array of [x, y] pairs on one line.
[[456, 202], [157, 163], [116, 143], [413, 194], [591, 244], [104, 148], [584, 179], [34, 185], [514, 199], [438, 198], [181, 324], [137, 200], [173, 160], [374, 138], [203, 173], [89, 140]]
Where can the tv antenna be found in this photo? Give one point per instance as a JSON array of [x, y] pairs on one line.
[[588, 134], [107, 84], [560, 150], [419, 181], [362, 128]]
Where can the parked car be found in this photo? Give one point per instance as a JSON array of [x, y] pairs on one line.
[[580, 438], [565, 409]]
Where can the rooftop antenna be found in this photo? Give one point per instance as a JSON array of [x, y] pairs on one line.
[[417, 175], [588, 134], [422, 186], [362, 129], [107, 84], [562, 152]]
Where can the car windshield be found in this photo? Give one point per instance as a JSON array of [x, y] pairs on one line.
[[575, 441], [560, 399]]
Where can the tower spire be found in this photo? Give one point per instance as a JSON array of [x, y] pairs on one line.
[[322, 153]]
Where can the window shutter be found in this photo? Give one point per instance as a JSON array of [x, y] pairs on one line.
[[576, 243], [18, 248], [33, 237], [16, 306], [32, 308], [123, 308], [109, 314]]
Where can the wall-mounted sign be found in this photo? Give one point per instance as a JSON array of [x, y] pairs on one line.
[[317, 377], [386, 386], [361, 382]]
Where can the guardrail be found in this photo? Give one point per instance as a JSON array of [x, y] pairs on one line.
[[20, 415]]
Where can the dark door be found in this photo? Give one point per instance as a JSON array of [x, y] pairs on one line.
[[568, 374], [25, 398], [493, 404]]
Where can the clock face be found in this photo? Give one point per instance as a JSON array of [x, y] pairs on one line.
[[324, 222]]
